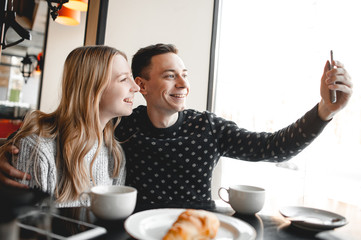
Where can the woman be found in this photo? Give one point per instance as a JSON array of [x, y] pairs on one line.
[[73, 148]]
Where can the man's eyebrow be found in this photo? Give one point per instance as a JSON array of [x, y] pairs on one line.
[[172, 70]]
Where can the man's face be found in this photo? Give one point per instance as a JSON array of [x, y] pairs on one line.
[[167, 88]]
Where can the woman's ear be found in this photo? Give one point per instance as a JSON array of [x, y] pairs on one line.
[[142, 85]]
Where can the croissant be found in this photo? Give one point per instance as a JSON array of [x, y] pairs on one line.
[[193, 225]]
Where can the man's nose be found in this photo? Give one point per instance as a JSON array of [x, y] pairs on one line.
[[182, 82]]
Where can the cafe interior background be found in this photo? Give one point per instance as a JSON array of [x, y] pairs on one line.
[[258, 63]]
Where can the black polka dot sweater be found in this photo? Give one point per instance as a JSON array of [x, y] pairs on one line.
[[172, 167]]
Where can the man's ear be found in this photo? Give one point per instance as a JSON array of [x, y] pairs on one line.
[[141, 83]]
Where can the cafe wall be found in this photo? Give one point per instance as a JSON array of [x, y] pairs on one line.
[[61, 40], [187, 24]]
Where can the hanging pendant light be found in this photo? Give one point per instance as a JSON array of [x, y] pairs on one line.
[[55, 6], [80, 5], [68, 16], [27, 66]]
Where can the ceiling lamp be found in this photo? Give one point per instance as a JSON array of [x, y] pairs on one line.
[[67, 16], [54, 6], [80, 5]]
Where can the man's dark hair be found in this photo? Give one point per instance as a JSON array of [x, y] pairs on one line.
[[141, 60]]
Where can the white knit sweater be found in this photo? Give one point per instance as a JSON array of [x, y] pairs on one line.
[[46, 168]]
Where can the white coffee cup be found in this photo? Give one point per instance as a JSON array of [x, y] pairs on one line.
[[111, 202], [244, 199]]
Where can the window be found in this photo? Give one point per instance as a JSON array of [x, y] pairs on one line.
[[271, 56]]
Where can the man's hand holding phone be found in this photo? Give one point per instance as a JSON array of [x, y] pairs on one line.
[[336, 89]]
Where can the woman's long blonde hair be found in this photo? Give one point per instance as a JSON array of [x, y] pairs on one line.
[[75, 123]]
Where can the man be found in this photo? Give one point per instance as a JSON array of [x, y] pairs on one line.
[[171, 151]]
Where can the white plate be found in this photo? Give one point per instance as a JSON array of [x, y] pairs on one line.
[[154, 224], [313, 219]]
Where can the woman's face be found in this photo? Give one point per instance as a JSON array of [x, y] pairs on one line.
[[117, 98]]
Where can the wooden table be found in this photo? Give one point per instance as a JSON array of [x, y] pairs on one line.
[[269, 224]]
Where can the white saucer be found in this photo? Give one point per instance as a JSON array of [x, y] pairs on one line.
[[313, 219]]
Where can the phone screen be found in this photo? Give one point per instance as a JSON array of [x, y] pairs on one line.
[[37, 225]]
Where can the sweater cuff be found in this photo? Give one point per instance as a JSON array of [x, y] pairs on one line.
[[314, 120]]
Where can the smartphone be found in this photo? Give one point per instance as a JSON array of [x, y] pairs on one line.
[[332, 92], [32, 226]]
